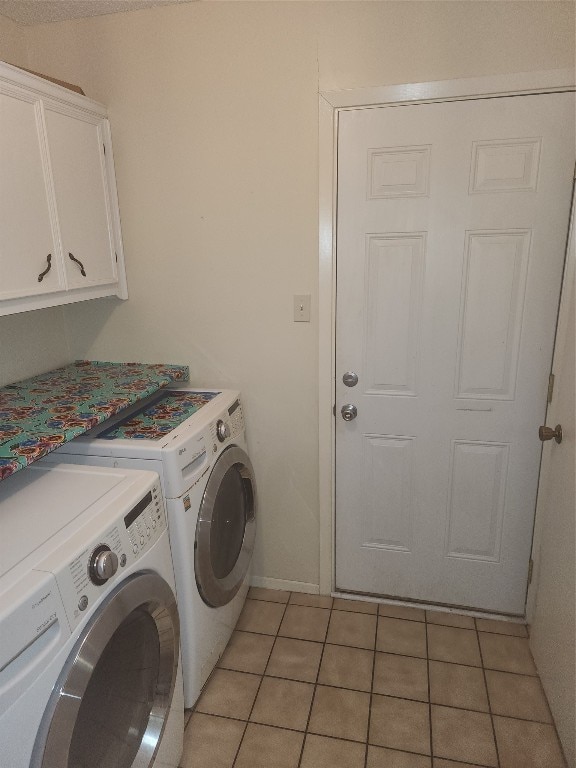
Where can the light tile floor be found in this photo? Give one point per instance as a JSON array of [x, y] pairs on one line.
[[311, 682]]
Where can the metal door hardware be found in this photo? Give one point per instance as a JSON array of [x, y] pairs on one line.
[[42, 275], [350, 379], [547, 433], [349, 412]]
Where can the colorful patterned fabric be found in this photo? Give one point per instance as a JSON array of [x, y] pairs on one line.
[[39, 414], [157, 418]]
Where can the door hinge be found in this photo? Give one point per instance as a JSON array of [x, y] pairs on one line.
[[550, 387], [104, 147], [334, 410], [116, 257], [530, 571]]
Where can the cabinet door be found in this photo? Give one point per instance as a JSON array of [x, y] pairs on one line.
[[77, 150], [29, 256]]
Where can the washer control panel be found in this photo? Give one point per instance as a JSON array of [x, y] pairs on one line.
[[229, 425], [101, 562], [145, 522], [236, 418]]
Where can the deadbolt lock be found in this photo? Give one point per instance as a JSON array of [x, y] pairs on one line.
[[350, 379]]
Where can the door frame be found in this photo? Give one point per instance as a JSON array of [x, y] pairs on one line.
[[330, 104]]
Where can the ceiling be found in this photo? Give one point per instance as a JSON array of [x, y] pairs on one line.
[[30, 12]]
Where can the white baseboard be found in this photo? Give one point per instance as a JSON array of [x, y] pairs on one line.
[[291, 586]]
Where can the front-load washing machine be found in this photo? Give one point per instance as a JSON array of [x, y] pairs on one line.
[[89, 631], [195, 440]]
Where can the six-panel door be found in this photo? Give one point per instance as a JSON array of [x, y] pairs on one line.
[[452, 221]]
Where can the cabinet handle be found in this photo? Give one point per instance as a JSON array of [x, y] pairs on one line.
[[82, 270], [48, 268]]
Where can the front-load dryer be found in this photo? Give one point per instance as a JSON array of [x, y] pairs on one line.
[[195, 440], [89, 631]]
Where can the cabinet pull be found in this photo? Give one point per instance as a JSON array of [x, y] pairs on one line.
[[82, 270], [48, 268]]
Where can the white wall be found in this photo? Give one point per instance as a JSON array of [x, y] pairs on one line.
[[553, 623], [34, 341], [215, 118]]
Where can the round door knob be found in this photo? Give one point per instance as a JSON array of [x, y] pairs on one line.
[[547, 433], [349, 412], [103, 565], [222, 430]]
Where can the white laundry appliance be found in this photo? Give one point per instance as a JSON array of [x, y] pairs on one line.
[[195, 440], [89, 630]]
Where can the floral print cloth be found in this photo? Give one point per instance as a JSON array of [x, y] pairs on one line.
[[158, 417], [39, 414]]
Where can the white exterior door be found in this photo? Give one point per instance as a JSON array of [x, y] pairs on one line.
[[452, 222]]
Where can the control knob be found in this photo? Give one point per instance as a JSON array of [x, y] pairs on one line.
[[222, 430], [103, 565]]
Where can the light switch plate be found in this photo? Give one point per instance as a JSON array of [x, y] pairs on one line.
[[302, 308]]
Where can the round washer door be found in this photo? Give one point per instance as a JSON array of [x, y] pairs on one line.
[[226, 528], [110, 704]]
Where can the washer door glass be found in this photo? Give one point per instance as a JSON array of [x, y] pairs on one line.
[[114, 712], [226, 528], [109, 708]]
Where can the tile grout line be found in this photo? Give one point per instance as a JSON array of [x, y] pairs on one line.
[[417, 621], [429, 692], [386, 695], [371, 689], [363, 690], [315, 687], [321, 735], [407, 655], [478, 632], [487, 695], [260, 684]]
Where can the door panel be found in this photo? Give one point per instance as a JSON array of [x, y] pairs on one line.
[[82, 198], [493, 292], [29, 250], [452, 222]]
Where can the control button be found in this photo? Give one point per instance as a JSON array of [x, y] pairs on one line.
[[153, 523], [147, 531], [103, 565], [122, 560], [135, 549], [83, 603], [222, 430], [141, 539]]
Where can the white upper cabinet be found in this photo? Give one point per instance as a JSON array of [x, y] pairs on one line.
[[28, 243], [60, 237], [82, 200]]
